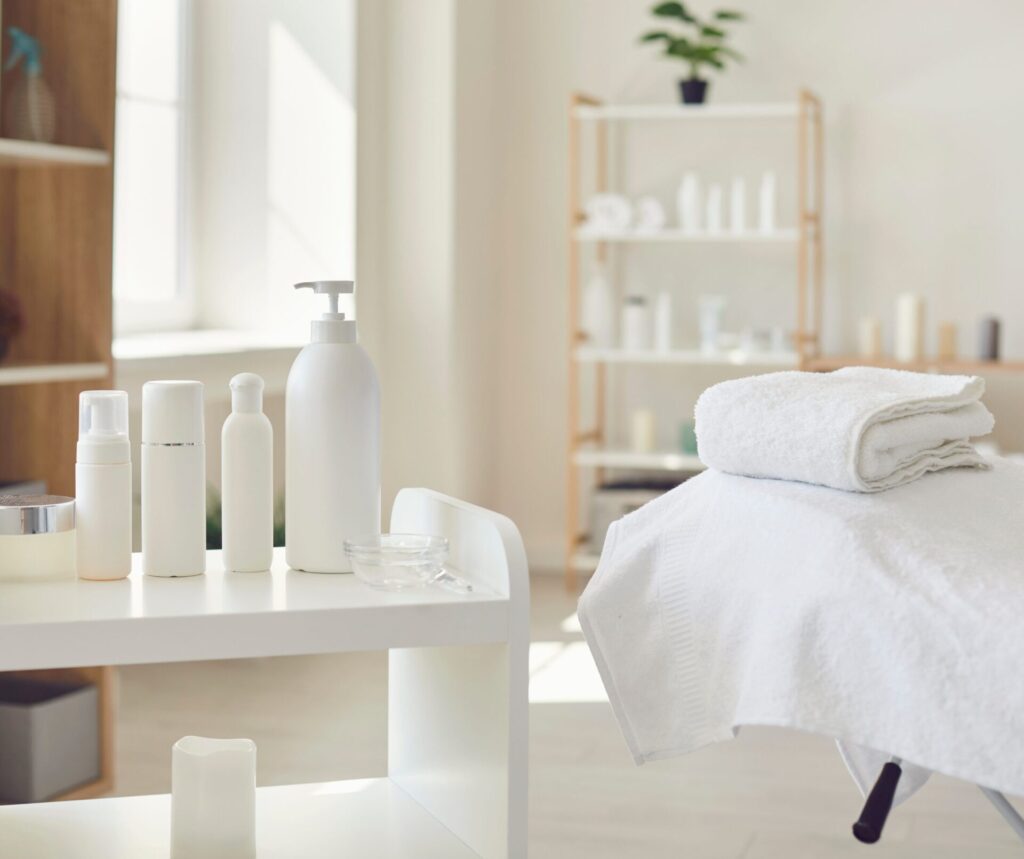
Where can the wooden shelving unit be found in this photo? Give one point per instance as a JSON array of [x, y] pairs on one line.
[[56, 223], [28, 153], [587, 444], [457, 674]]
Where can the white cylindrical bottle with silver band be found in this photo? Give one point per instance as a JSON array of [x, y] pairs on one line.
[[173, 479]]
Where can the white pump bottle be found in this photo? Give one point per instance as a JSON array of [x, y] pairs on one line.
[[332, 442]]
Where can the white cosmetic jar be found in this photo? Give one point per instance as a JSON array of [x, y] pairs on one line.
[[37, 537]]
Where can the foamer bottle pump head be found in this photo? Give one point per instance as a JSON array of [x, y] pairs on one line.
[[103, 427], [332, 327]]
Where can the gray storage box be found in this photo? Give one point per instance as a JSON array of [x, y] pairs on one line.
[[49, 738]]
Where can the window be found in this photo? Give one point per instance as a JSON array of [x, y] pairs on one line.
[[151, 286]]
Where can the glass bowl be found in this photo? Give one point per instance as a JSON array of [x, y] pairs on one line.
[[395, 562]]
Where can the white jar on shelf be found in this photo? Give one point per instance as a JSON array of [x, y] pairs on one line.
[[636, 324]]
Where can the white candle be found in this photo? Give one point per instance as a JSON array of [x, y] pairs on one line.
[[870, 337], [909, 327], [213, 799]]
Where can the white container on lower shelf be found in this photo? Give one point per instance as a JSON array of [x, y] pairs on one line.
[[457, 680]]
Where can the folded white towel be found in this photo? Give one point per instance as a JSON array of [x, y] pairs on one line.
[[891, 622], [859, 428]]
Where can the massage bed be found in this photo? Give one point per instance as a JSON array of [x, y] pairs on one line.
[[890, 621]]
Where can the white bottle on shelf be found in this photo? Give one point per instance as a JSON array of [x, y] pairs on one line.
[[688, 203], [636, 324], [103, 487], [598, 309], [247, 479], [173, 479], [332, 437]]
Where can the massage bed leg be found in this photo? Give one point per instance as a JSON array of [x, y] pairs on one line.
[[1010, 814], [868, 828]]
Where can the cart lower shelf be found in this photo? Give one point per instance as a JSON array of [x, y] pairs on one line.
[[363, 817]]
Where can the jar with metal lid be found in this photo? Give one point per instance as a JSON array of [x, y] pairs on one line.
[[37, 537]]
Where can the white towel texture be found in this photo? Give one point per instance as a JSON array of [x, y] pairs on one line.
[[859, 428], [892, 622]]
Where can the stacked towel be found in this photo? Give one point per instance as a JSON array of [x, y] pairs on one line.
[[860, 428]]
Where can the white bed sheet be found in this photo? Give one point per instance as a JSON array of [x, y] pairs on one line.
[[892, 622]]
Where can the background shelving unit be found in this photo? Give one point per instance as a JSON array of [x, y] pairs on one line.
[[587, 444], [456, 786], [56, 224]]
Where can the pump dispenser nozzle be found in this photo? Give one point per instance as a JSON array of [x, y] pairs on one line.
[[332, 327]]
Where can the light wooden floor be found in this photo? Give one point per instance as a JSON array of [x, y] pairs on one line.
[[770, 794]]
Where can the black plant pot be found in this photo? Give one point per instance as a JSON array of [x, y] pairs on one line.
[[693, 90]]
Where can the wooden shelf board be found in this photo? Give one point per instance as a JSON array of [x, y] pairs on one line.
[[28, 153], [784, 236], [733, 357], [364, 817], [928, 365], [656, 461], [765, 110], [31, 374], [141, 619]]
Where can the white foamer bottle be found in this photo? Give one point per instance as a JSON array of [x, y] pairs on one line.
[[332, 442], [103, 487]]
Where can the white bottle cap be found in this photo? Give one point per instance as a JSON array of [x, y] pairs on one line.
[[103, 427], [172, 412], [332, 327], [246, 393]]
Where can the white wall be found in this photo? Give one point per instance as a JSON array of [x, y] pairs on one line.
[[924, 193], [273, 157]]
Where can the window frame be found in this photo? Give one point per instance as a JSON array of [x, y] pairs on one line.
[[181, 312]]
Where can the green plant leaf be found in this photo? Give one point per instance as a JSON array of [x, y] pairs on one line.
[[731, 54], [728, 15], [673, 9], [654, 35], [712, 32]]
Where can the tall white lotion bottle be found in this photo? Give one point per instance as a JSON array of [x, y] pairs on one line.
[[103, 487], [173, 479], [247, 479], [332, 442]]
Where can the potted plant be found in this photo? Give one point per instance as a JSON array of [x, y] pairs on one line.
[[701, 44], [10, 319]]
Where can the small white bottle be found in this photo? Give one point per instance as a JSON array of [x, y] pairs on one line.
[[688, 203], [332, 442], [598, 309], [103, 487], [247, 479], [173, 479]]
